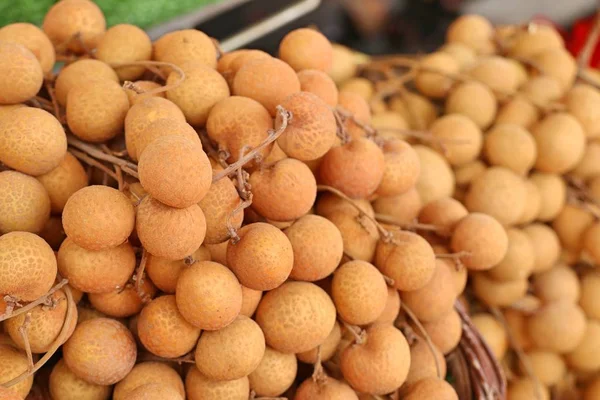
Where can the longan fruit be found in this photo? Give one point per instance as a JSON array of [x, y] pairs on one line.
[[492, 332], [275, 373], [306, 49], [581, 101], [208, 295], [199, 387], [328, 203], [175, 171], [154, 391], [542, 90], [512, 147], [63, 181], [463, 54], [473, 31], [557, 326], [546, 246], [143, 87], [218, 252], [521, 72], [98, 217], [314, 260], [519, 260], [329, 389], [436, 179], [179, 47], [416, 109], [96, 110], [526, 388], [553, 194], [147, 372], [591, 239], [296, 316], [528, 42], [359, 234], [99, 271], [70, 19], [483, 237], [570, 225], [360, 110], [360, 86], [327, 348], [533, 203], [283, 191], [125, 302], [389, 125], [45, 324], [498, 192], [168, 232], [142, 114], [27, 266], [13, 363], [202, 88], [473, 100], [235, 122], [590, 284], [359, 292], [232, 352], [588, 167], [518, 111], [21, 73], [391, 309], [125, 43], [224, 62], [548, 367], [6, 109], [65, 385], [343, 66], [164, 331], [558, 63], [402, 168], [250, 300], [165, 127], [423, 362], [458, 127], [164, 272], [516, 321], [431, 388], [32, 141], [445, 332], [263, 258], [320, 84], [435, 299], [467, 173], [433, 84], [444, 213], [80, 73], [269, 81], [24, 203], [379, 365], [34, 39], [409, 260], [403, 208], [356, 168], [585, 357], [100, 351], [497, 73], [218, 205], [498, 293], [245, 56], [312, 130], [560, 143]]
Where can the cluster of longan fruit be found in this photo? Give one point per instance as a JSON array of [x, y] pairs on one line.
[[180, 223]]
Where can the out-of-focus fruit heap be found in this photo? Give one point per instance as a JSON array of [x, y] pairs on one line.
[[240, 226]]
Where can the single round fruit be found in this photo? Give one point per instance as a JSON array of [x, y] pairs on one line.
[[475, 101], [560, 143], [518, 111], [417, 110], [493, 333], [529, 42], [587, 167], [13, 363], [391, 309], [27, 266], [296, 316], [358, 107], [498, 293], [79, 73], [557, 326], [402, 168], [164, 272], [21, 73], [359, 234], [590, 286], [511, 146], [553, 194], [218, 206], [463, 54], [125, 43], [306, 49], [586, 355], [360, 86], [519, 260], [154, 391], [34, 39], [581, 100], [327, 348], [143, 87], [98, 217], [403, 208], [199, 387], [232, 352], [431, 388], [275, 373], [209, 296], [474, 31], [100, 351], [423, 362], [123, 302], [65, 385], [525, 389], [329, 389], [320, 84], [548, 367], [444, 213], [445, 332], [497, 73], [436, 179], [546, 246], [343, 66], [147, 372], [24, 203], [483, 238], [165, 127], [431, 83], [558, 63], [458, 127], [63, 181], [179, 47]]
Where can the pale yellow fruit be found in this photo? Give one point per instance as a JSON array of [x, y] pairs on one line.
[[590, 284], [497, 73], [498, 293], [473, 100], [493, 333], [467, 173], [558, 283], [433, 84], [343, 66], [557, 326], [560, 143], [185, 45], [473, 31], [571, 225], [463, 54], [510, 146], [588, 167], [417, 110], [529, 42], [525, 389], [458, 127], [319, 83], [436, 179], [542, 90], [547, 366], [586, 355], [122, 44], [546, 246], [306, 49], [553, 194], [519, 260], [361, 86], [533, 203], [581, 101], [483, 237], [445, 332], [558, 63], [518, 111], [274, 375], [403, 208]]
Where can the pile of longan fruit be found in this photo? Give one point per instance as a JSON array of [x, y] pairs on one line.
[[177, 222]]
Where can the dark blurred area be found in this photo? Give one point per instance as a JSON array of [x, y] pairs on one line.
[[391, 26]]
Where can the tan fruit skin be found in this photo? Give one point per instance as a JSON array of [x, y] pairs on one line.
[[148, 372]]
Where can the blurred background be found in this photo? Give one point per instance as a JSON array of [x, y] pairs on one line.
[[371, 26]]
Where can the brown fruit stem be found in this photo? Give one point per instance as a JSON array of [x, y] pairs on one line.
[[152, 64], [456, 257], [41, 300], [389, 281], [209, 148], [341, 130], [55, 107], [515, 345], [286, 117], [386, 235], [345, 114], [425, 335], [120, 181], [319, 375], [235, 238], [94, 163], [127, 166], [388, 219], [24, 334], [139, 275], [187, 359], [360, 335], [62, 337]]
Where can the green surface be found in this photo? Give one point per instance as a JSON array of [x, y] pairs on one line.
[[143, 13]]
